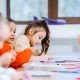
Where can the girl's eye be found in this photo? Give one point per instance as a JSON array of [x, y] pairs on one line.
[[39, 37], [11, 30], [14, 31]]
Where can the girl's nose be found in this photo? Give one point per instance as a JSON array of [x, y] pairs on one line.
[[13, 34]]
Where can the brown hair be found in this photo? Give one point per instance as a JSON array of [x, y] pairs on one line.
[[45, 41]]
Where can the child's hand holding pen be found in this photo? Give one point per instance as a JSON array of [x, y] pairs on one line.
[[36, 53], [47, 59]]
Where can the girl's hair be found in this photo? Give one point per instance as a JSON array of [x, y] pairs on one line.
[[40, 24]]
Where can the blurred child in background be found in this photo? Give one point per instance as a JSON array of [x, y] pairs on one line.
[[6, 52], [8, 55]]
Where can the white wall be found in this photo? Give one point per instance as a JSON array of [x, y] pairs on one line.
[[63, 39], [65, 31], [20, 29]]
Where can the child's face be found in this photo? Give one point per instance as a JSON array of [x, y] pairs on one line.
[[12, 32], [4, 31], [37, 38]]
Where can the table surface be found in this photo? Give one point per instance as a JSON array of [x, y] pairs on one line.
[[50, 71]]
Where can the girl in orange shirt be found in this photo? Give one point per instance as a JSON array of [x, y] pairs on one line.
[[21, 56], [6, 53]]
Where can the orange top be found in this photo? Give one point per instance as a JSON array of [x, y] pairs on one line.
[[5, 48], [21, 58]]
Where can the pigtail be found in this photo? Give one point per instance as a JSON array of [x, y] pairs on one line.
[[45, 42]]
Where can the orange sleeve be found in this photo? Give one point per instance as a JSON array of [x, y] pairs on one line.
[[21, 58], [5, 48]]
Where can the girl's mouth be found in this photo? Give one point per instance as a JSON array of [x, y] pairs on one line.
[[12, 39]]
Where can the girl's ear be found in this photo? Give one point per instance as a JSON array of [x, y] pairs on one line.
[[31, 31]]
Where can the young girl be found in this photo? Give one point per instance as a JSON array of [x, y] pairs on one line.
[[6, 53], [36, 33]]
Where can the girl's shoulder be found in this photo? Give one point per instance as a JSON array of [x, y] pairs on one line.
[[21, 42], [6, 48], [21, 37]]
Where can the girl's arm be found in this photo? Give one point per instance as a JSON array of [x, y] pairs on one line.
[[22, 58], [7, 58], [44, 58], [37, 58], [21, 43]]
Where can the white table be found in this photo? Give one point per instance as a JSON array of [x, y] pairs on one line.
[[42, 71]]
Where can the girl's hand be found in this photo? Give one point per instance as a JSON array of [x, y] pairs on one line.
[[47, 58], [7, 58], [35, 51]]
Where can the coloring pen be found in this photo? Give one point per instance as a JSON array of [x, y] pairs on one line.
[[53, 61], [66, 71]]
